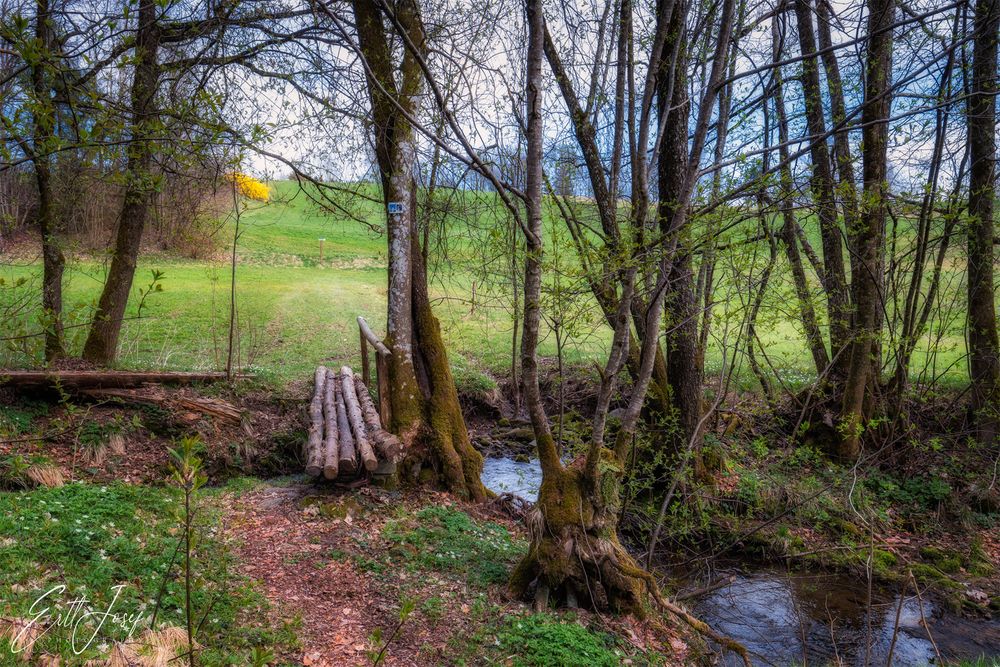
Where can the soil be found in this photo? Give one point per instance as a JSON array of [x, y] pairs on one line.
[[286, 539]]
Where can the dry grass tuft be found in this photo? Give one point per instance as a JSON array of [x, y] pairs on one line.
[[116, 444], [153, 649], [21, 634], [45, 475]]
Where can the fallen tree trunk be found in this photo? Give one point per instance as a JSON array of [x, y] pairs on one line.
[[331, 438], [356, 420], [100, 379], [212, 407], [314, 451], [348, 466]]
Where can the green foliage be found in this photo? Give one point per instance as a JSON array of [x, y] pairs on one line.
[[923, 491], [446, 539], [748, 491], [90, 538], [540, 640], [17, 419]]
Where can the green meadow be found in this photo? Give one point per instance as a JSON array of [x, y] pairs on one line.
[[297, 309]]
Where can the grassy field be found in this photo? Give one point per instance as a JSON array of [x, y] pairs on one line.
[[297, 310]]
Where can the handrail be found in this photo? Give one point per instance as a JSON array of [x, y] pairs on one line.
[[382, 355], [367, 332]]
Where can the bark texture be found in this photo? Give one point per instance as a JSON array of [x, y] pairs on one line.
[[101, 346], [866, 285], [425, 411], [44, 141], [984, 347]]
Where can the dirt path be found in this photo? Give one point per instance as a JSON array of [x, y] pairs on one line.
[[291, 553], [303, 545], [321, 556]]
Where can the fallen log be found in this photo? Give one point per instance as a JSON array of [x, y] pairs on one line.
[[331, 436], [348, 465], [368, 410], [103, 379], [212, 407], [314, 452], [356, 420], [387, 445]]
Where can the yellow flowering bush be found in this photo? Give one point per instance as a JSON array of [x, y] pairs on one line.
[[250, 187]]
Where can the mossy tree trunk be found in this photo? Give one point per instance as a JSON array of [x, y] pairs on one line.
[[423, 400], [575, 557], [984, 346], [43, 144], [869, 239]]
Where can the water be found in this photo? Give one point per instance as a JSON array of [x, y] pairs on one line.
[[812, 619], [503, 475], [820, 619]]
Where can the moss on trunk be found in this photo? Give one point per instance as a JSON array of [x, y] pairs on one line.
[[575, 556]]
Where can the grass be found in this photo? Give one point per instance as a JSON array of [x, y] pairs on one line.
[[297, 310], [543, 639], [112, 547], [443, 539]]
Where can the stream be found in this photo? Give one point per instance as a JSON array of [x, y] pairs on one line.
[[786, 618]]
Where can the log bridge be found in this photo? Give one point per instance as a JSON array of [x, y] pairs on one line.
[[347, 440]]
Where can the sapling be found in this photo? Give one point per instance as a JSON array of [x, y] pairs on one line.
[[190, 478]]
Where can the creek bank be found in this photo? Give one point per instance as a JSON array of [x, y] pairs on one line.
[[814, 617]]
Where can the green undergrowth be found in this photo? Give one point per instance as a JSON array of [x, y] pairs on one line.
[[447, 540], [794, 505], [544, 639], [114, 548]]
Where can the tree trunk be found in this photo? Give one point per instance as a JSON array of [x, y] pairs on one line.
[[866, 286], [43, 141], [823, 187], [984, 348], [575, 555], [101, 346], [425, 411], [790, 227], [684, 373]]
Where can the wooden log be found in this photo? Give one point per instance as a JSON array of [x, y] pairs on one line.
[[367, 332], [368, 410], [348, 465], [96, 379], [357, 421], [211, 407], [331, 436], [314, 443], [387, 446]]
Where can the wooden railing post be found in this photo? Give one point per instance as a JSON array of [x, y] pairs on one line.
[[382, 378], [382, 353], [365, 371]]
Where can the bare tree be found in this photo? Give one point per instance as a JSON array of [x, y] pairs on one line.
[[866, 284]]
